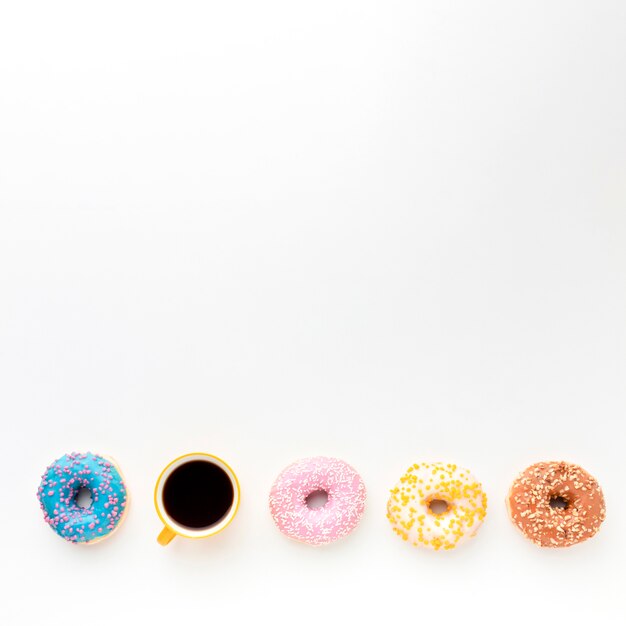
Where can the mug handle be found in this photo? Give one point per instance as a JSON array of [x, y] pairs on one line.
[[165, 536]]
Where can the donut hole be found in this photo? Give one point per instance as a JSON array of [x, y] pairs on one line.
[[558, 502], [438, 507], [84, 499], [317, 499]]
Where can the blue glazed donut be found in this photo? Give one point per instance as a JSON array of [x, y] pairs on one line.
[[59, 488]]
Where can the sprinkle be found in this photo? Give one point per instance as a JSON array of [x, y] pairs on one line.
[[531, 504], [72, 473], [337, 518], [411, 516]]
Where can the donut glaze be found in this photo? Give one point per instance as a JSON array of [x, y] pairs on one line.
[[337, 518], [534, 493], [59, 488], [412, 518]]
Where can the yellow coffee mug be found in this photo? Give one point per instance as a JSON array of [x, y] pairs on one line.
[[196, 495]]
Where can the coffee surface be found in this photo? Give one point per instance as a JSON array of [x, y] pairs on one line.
[[198, 494]]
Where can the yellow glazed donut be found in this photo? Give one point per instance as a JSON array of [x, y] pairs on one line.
[[437, 505]]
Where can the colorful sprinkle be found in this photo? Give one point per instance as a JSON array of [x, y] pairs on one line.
[[72, 473], [437, 506]]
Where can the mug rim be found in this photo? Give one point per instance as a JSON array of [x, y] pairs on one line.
[[179, 529]]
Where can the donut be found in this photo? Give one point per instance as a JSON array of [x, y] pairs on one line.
[[437, 506], [295, 514], [556, 504], [59, 489]]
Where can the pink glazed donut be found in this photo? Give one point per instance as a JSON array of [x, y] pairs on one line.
[[320, 476]]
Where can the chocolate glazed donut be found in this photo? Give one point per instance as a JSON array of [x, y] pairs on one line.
[[556, 505]]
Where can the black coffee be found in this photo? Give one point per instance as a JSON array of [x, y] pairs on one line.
[[198, 494]]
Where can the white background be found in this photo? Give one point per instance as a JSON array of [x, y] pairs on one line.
[[388, 231]]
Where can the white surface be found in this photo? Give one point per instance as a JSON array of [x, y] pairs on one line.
[[386, 231]]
